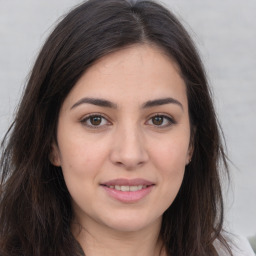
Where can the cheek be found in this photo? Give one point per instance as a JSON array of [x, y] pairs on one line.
[[81, 162], [81, 154], [169, 160], [170, 154], [171, 165]]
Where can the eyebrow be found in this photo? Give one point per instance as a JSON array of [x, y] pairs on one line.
[[163, 101], [109, 104], [95, 101]]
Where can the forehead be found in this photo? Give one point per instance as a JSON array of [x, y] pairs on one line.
[[141, 57], [140, 72]]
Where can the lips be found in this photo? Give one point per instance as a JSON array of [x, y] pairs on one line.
[[128, 190], [128, 182]]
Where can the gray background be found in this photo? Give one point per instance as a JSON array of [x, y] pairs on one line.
[[225, 33]]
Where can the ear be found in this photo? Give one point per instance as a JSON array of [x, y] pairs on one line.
[[54, 155], [190, 153], [191, 145]]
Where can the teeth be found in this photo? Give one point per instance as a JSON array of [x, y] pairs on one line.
[[125, 188], [135, 188], [128, 188]]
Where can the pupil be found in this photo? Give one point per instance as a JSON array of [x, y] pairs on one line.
[[157, 120], [95, 120]]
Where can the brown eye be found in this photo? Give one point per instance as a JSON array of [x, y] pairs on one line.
[[161, 121], [157, 120], [95, 120]]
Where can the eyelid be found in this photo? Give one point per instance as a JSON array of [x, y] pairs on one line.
[[170, 119], [88, 116]]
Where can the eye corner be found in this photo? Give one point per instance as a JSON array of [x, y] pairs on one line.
[[161, 121], [95, 121]]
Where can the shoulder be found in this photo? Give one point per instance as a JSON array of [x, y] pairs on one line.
[[239, 245]]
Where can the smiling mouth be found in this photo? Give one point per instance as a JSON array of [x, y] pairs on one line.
[[128, 188]]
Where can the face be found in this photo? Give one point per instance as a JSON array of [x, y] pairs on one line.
[[123, 139]]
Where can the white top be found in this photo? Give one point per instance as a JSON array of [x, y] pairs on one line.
[[240, 247]]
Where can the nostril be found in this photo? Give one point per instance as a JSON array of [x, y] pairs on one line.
[[128, 153]]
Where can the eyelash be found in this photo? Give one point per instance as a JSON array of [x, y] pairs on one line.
[[170, 121], [165, 118], [89, 117]]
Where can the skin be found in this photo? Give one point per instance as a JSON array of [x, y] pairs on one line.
[[128, 142]]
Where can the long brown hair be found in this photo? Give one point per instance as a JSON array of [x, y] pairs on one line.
[[35, 206]]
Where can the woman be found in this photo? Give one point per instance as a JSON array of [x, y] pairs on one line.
[[115, 148]]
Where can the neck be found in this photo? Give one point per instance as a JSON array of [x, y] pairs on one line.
[[98, 241]]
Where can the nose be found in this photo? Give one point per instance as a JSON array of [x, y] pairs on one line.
[[128, 148]]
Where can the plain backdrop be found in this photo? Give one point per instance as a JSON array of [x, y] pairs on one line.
[[224, 32]]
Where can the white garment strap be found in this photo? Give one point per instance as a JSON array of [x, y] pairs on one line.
[[240, 246]]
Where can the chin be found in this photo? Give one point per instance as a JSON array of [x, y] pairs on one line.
[[127, 227], [132, 223]]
